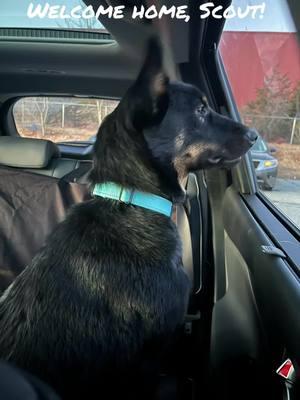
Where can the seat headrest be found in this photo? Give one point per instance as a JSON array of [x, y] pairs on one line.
[[26, 153]]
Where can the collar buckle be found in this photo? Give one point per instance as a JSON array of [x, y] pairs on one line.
[[111, 190], [131, 194]]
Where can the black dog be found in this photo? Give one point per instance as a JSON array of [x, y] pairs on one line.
[[99, 304]]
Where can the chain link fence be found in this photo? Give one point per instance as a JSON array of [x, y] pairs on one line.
[[276, 128], [60, 119]]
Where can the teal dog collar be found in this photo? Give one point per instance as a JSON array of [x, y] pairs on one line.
[[110, 190]]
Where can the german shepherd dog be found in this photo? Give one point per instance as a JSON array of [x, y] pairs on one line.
[[97, 307]]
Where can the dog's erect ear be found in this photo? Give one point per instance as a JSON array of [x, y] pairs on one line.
[[148, 97], [152, 73]]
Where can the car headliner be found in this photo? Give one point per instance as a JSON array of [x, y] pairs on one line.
[[31, 67]]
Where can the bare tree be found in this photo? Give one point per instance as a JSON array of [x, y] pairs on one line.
[[270, 112], [42, 105], [99, 104], [80, 23]]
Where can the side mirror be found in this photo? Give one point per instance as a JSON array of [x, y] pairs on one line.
[[272, 150]]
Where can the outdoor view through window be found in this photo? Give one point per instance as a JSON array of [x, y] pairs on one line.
[[14, 14], [266, 87], [61, 119]]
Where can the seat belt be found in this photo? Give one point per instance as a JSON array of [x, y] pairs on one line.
[[80, 174]]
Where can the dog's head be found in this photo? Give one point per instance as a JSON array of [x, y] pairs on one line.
[[161, 130], [181, 130]]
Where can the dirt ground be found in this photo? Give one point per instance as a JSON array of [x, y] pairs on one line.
[[62, 134], [289, 160]]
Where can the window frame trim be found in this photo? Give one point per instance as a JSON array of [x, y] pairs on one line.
[[244, 173], [281, 216]]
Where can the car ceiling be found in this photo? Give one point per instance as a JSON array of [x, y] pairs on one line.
[[32, 68], [104, 70]]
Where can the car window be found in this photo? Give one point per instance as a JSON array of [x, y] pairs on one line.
[[65, 14], [61, 118], [262, 60]]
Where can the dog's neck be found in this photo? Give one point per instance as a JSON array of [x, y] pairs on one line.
[[125, 159]]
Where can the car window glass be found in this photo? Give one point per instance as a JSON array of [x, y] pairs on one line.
[[262, 60], [50, 14], [61, 118]]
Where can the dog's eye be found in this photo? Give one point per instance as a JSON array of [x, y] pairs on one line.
[[201, 109]]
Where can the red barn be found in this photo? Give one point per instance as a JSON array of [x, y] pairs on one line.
[[252, 48]]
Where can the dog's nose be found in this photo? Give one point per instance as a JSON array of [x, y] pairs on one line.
[[252, 135]]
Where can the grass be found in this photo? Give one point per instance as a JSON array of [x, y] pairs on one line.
[[288, 156], [61, 134]]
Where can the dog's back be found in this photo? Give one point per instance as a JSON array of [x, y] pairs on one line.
[[99, 301]]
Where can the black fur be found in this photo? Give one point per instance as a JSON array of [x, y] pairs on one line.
[[99, 304]]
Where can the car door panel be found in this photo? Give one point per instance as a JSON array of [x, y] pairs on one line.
[[276, 287]]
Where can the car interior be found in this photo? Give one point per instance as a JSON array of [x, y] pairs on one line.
[[243, 320]]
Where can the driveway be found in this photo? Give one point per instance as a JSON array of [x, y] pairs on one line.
[[286, 196]]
